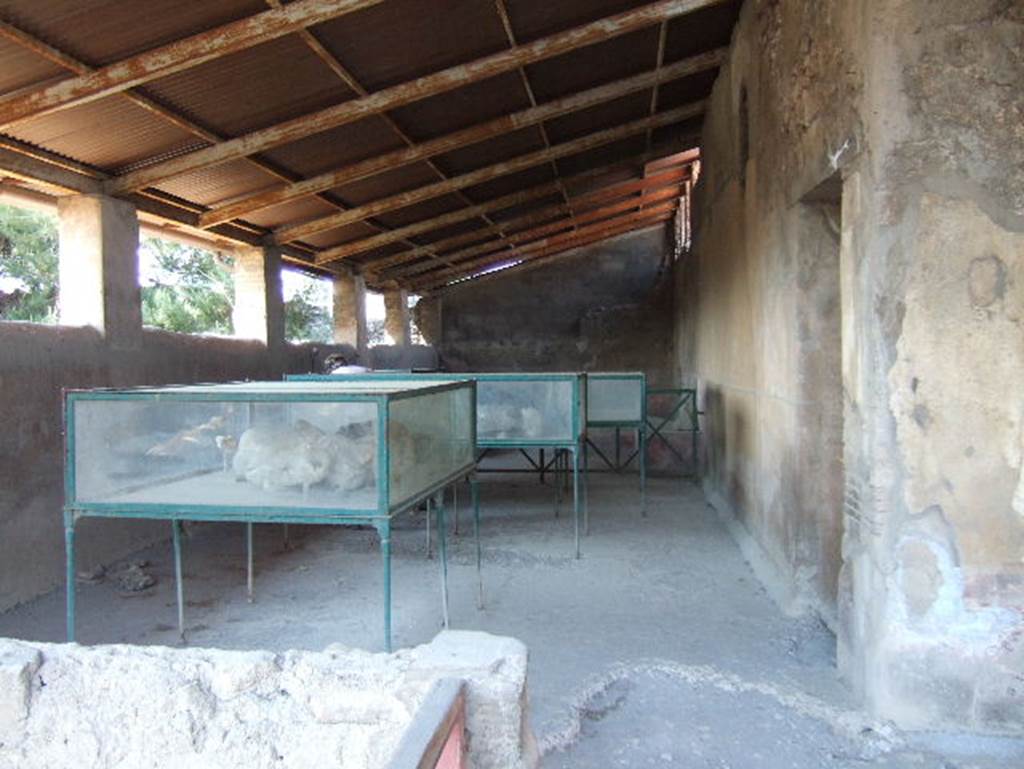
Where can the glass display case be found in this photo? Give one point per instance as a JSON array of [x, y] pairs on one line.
[[618, 401], [543, 411], [348, 453]]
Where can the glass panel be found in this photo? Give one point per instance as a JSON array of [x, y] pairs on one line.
[[246, 454], [430, 437], [614, 399], [524, 410]]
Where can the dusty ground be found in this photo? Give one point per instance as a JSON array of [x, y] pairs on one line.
[[657, 648]]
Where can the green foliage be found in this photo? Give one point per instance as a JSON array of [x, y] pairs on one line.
[[189, 291], [306, 319], [28, 265]]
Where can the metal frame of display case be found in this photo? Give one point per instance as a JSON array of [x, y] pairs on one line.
[[640, 425], [379, 518], [574, 447], [684, 399]]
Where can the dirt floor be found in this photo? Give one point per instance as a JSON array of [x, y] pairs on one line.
[[659, 648]]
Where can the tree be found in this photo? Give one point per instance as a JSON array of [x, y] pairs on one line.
[[189, 290], [28, 265], [305, 317]]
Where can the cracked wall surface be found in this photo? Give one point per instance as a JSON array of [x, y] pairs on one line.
[[903, 124]]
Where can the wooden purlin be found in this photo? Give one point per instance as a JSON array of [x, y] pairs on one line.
[[506, 23], [487, 173], [571, 241], [349, 79], [174, 57], [531, 244], [409, 92], [313, 43], [539, 260], [141, 99], [524, 236], [508, 201], [462, 138]]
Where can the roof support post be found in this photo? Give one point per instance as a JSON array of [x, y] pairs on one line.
[[350, 312], [99, 267], [259, 304], [396, 316]]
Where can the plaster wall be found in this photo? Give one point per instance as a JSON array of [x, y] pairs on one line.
[[874, 231], [604, 307]]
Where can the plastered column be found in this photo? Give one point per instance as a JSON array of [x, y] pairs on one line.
[[99, 267], [350, 311], [396, 316], [259, 306]]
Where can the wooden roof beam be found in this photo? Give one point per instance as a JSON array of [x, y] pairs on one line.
[[538, 260], [352, 248], [507, 201], [463, 138], [409, 92], [596, 232], [174, 57], [294, 232], [523, 237], [545, 236]]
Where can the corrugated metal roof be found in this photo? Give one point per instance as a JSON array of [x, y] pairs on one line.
[[294, 76]]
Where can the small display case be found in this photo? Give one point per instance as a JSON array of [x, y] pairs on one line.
[[348, 453], [517, 411], [618, 400]]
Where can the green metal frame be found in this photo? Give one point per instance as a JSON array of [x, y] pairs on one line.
[[686, 398], [574, 444], [379, 517], [639, 425]]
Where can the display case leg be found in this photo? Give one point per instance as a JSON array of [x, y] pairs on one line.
[[641, 440], [576, 496], [69, 563], [618, 450], [287, 538], [442, 548], [179, 580], [542, 466], [586, 490], [384, 531], [249, 563], [474, 488], [455, 506], [558, 482], [430, 543]]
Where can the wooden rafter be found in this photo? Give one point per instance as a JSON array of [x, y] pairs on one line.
[[346, 75], [590, 234], [525, 236], [61, 175], [506, 23], [406, 93], [487, 173], [595, 197], [463, 138], [545, 236], [538, 260], [141, 99], [174, 57], [659, 63]]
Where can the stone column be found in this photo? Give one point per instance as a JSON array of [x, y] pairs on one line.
[[99, 267], [396, 316], [350, 311], [259, 304]]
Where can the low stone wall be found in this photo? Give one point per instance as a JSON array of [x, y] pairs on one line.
[[63, 705]]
